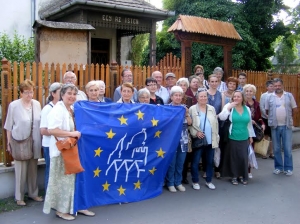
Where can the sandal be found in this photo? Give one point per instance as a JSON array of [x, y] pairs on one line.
[[38, 199], [21, 203], [243, 181], [234, 181], [86, 213], [271, 156], [64, 216]]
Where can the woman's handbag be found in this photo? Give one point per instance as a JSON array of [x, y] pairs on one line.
[[69, 151], [262, 147], [22, 149], [224, 130], [198, 143], [259, 132]]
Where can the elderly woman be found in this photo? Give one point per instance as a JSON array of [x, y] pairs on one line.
[[151, 85], [144, 95], [241, 131], [219, 73], [199, 71], [53, 98], [249, 92], [127, 92], [61, 187], [92, 91], [174, 173], [101, 96], [204, 115], [232, 84], [193, 89], [23, 116]]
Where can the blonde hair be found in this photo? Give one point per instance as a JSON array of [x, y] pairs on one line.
[[90, 84], [247, 86]]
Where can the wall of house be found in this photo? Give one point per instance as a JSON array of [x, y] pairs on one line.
[[63, 46], [18, 16], [111, 34]]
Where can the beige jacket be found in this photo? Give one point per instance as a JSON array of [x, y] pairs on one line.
[[213, 120]]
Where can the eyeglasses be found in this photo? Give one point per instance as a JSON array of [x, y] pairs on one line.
[[151, 85], [70, 78], [28, 92], [127, 76]]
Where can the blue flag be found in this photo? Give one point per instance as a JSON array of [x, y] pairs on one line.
[[125, 150]]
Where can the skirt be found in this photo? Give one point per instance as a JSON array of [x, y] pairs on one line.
[[235, 163], [60, 190]]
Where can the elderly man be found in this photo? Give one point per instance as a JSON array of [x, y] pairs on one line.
[[70, 77], [126, 76], [280, 107], [170, 81], [161, 91]]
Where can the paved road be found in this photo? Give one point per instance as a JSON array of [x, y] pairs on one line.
[[268, 198]]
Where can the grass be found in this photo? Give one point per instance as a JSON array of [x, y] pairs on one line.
[[9, 204]]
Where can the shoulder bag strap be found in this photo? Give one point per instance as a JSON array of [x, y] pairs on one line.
[[205, 120], [31, 119]]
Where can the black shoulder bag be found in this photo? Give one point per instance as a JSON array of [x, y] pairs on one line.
[[198, 143]]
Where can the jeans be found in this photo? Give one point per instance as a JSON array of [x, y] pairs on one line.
[[209, 152], [282, 138], [174, 174], [47, 163]]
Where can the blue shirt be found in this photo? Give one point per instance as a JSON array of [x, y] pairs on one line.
[[208, 129]]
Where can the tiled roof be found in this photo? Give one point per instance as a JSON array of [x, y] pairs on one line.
[[193, 24], [50, 7], [63, 25]]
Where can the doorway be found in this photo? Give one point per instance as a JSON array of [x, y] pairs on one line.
[[100, 51]]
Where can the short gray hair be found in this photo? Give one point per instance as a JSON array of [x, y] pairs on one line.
[[278, 80], [143, 91], [176, 89], [71, 73], [185, 80], [67, 86], [100, 83], [218, 69]]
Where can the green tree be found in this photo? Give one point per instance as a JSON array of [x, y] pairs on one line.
[[17, 48], [138, 44], [251, 53]]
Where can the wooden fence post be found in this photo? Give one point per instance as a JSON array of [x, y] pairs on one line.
[[113, 78], [5, 80]]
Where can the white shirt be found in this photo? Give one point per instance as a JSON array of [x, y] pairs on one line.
[[58, 117], [44, 123], [163, 93]]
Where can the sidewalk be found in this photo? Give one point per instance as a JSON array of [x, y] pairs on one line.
[[268, 199]]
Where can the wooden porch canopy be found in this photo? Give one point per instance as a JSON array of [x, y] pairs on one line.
[[188, 29]]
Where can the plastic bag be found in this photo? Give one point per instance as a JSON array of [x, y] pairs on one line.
[[217, 157], [252, 158]]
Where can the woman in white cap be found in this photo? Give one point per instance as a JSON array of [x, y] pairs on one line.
[[53, 98]]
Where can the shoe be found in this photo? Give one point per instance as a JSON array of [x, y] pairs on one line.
[[250, 175], [210, 186], [277, 171], [86, 213], [288, 173], [218, 175], [264, 157], [180, 188], [172, 189], [204, 175], [234, 181], [272, 156], [185, 181], [65, 216], [38, 199], [243, 181], [21, 203], [196, 186]]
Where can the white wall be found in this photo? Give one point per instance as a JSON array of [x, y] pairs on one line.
[[16, 15]]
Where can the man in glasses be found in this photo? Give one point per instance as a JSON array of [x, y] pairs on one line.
[[161, 91], [126, 76], [170, 81], [70, 77]]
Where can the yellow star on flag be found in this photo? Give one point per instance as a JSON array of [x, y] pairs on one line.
[[110, 134], [160, 153], [152, 171], [121, 190], [106, 186], [123, 120], [157, 134], [137, 185], [140, 115], [98, 152], [154, 122], [97, 172]]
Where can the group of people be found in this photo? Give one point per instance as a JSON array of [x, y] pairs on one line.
[[208, 105]]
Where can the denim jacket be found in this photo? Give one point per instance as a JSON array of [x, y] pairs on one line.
[[271, 107]]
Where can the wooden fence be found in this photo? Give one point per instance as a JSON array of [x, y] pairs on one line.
[[45, 74]]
